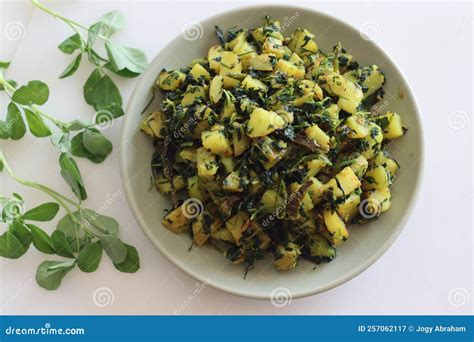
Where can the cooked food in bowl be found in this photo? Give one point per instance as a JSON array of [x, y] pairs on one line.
[[270, 145]]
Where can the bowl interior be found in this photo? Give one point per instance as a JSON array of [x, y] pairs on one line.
[[367, 242]]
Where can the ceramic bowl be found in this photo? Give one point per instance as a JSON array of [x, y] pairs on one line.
[[367, 243]]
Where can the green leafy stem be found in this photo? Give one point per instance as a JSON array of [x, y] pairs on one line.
[[88, 141], [100, 90], [80, 236]]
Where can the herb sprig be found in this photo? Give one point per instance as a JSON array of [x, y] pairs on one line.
[[87, 142], [100, 91], [80, 235]]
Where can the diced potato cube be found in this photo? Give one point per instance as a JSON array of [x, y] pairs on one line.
[[216, 141], [348, 180], [351, 98], [214, 57], [263, 122], [253, 83], [170, 80], [315, 165], [215, 89], [302, 41], [155, 125], [374, 140], [274, 46], [196, 189], [199, 71], [350, 208], [384, 159], [290, 69], [192, 93], [321, 248], [391, 124], [376, 202], [376, 179], [269, 151], [335, 227], [232, 182], [317, 134], [263, 62], [359, 166], [286, 256], [240, 140], [358, 126], [203, 227], [316, 190], [237, 225], [239, 39], [206, 163], [176, 221]]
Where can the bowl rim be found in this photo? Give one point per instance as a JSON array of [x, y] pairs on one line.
[[342, 279]]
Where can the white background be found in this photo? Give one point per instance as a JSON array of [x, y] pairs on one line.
[[429, 270]]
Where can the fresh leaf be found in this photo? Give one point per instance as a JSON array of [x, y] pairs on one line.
[[10, 246], [4, 131], [125, 58], [35, 92], [114, 247], [102, 93], [15, 124], [61, 141], [50, 274], [104, 224], [96, 143], [71, 44], [70, 225], [43, 212], [89, 258], [114, 20], [95, 31], [22, 233], [72, 67], [36, 124], [4, 64], [131, 264], [72, 175], [78, 150], [41, 240], [61, 244]]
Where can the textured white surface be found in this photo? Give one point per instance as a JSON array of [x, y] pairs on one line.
[[428, 269]]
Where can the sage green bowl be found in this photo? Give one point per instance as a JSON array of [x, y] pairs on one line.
[[366, 244]]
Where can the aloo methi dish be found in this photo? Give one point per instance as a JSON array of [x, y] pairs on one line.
[[269, 145]]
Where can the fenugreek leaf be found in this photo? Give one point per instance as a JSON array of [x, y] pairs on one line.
[[102, 93], [41, 240], [96, 143], [114, 20], [44, 212], [72, 175], [89, 258], [72, 67], [35, 92], [14, 124], [131, 264], [125, 59], [61, 244], [71, 44], [36, 124], [50, 274], [115, 248]]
